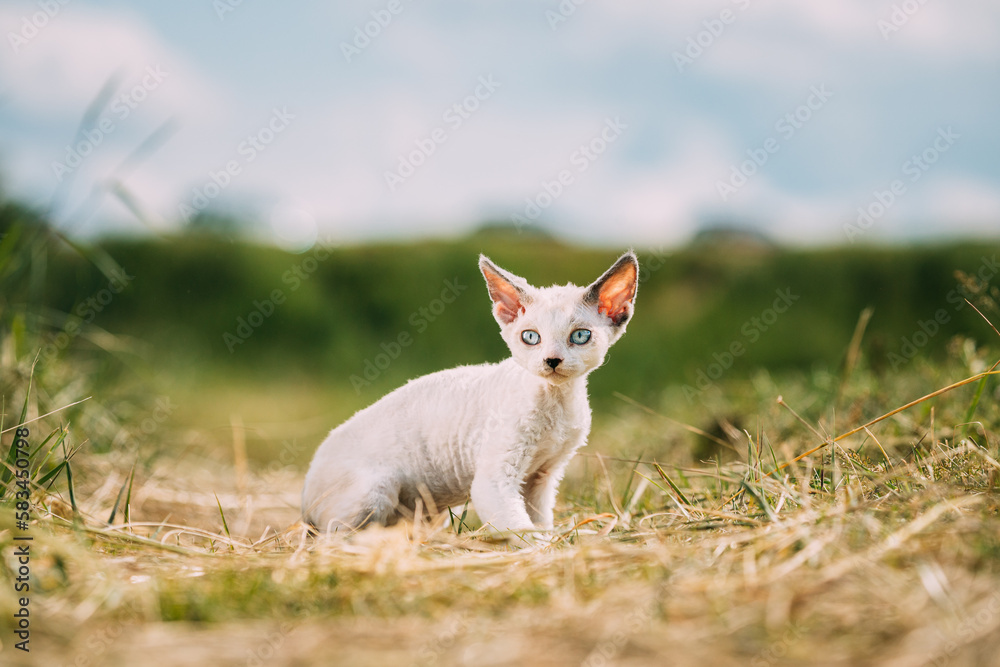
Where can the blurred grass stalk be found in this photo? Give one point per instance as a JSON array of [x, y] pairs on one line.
[[39, 382]]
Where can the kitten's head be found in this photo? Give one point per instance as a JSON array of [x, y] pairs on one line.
[[562, 332]]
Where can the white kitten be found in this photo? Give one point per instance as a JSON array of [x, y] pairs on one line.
[[503, 433]]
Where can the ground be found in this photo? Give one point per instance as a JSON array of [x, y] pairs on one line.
[[881, 547]]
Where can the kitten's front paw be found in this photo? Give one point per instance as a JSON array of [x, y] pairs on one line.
[[516, 531], [530, 538], [540, 539]]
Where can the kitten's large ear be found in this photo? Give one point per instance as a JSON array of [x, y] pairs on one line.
[[614, 292], [506, 290]]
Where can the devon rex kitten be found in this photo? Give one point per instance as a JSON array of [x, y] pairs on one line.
[[502, 433]]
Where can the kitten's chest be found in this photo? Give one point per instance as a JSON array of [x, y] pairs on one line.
[[555, 424]]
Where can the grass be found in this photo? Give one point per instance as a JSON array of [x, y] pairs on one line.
[[881, 547], [804, 516]]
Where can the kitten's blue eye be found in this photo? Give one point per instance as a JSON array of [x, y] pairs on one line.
[[580, 336], [530, 337]]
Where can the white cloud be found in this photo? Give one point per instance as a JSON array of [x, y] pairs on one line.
[[957, 201], [61, 69], [944, 32], [657, 184], [787, 41], [52, 79]]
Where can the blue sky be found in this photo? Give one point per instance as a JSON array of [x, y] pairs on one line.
[[621, 123]]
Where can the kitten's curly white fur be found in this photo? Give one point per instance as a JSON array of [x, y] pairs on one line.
[[502, 433]]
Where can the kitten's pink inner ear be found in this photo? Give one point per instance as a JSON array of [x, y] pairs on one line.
[[506, 297], [617, 292]]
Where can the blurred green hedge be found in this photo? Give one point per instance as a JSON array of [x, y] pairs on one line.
[[202, 303]]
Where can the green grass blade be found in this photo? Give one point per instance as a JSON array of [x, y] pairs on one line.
[[69, 484], [97, 256], [159, 529], [126, 483], [8, 469], [128, 497], [774, 457], [461, 519], [760, 501], [63, 433], [673, 486], [628, 484], [43, 443], [27, 395], [465, 513], [225, 526], [50, 475]]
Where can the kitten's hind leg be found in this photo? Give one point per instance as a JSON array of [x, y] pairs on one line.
[[380, 505], [352, 503]]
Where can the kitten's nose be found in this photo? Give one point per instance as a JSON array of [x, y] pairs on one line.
[[553, 362]]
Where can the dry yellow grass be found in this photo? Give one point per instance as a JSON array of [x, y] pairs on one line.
[[881, 547]]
